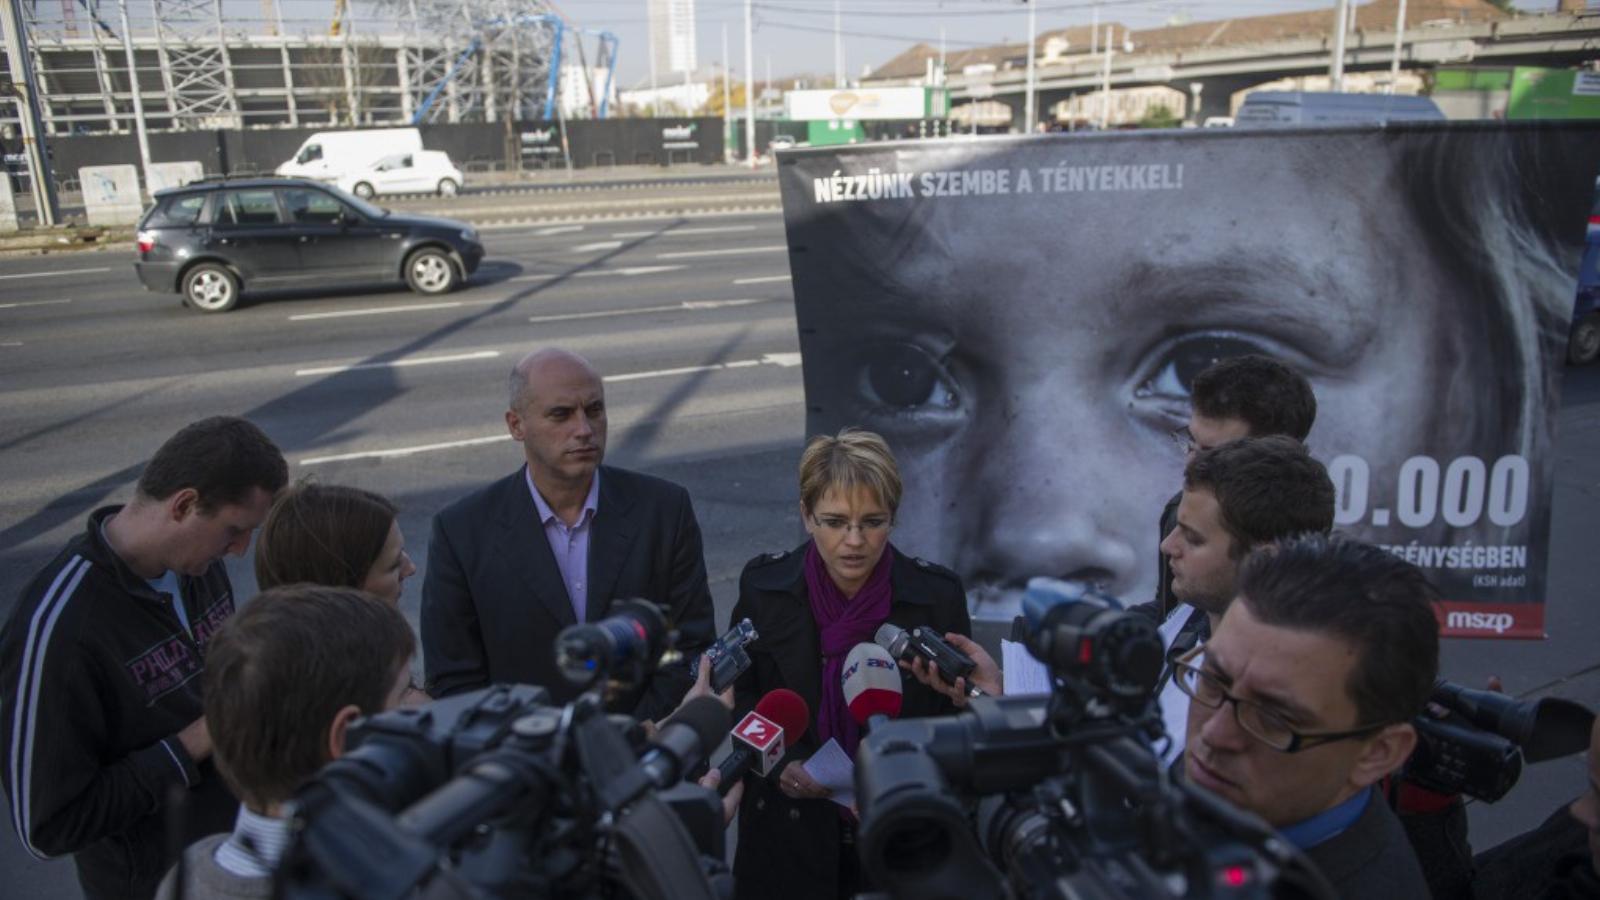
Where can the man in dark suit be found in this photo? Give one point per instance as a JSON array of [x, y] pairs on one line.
[[1303, 700], [553, 544]]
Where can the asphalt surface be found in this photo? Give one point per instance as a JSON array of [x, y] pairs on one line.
[[691, 320]]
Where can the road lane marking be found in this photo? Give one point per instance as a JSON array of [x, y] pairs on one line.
[[558, 229], [33, 303], [765, 279], [374, 311], [782, 360], [397, 363], [404, 451], [627, 272], [674, 232], [54, 274], [597, 245], [10, 343], [688, 305], [735, 251]]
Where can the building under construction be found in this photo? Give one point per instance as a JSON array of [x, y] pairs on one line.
[[230, 64]]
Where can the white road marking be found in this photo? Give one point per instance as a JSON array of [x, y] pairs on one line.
[[785, 360], [734, 251], [33, 303], [765, 279], [11, 344], [597, 245], [684, 370], [558, 229], [392, 364], [674, 232], [374, 311], [626, 271], [404, 451], [54, 274], [690, 305]]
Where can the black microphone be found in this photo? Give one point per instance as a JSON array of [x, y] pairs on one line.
[[684, 741], [923, 643]]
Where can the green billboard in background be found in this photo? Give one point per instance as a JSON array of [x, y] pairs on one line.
[[1553, 94]]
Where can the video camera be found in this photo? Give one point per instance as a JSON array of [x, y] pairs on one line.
[[1071, 801], [497, 793], [1478, 747]]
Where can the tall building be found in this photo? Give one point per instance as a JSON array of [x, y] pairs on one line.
[[672, 35]]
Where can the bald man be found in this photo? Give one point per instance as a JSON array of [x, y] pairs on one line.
[[553, 544]]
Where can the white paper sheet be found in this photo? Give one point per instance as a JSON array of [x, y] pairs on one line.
[[1023, 674], [832, 769]]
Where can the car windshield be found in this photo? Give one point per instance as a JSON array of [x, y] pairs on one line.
[[360, 205]]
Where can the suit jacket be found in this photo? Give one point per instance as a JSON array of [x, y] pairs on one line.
[[493, 599], [1371, 858], [791, 848]]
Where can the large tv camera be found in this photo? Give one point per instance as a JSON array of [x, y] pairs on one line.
[[1070, 798], [497, 793]]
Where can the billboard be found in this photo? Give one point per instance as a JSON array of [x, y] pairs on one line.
[[1021, 318], [867, 103]]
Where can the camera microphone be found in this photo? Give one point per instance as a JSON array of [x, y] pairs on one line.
[[759, 740], [872, 685], [926, 644], [684, 741]]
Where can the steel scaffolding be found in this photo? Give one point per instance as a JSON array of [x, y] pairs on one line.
[[240, 63]]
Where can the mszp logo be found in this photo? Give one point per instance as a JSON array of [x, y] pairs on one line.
[[1480, 621]]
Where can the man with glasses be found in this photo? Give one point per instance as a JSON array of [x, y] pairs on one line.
[[553, 543], [1303, 700]]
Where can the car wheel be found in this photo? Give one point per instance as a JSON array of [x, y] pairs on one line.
[[1584, 343], [430, 271], [448, 187], [363, 190], [211, 288]]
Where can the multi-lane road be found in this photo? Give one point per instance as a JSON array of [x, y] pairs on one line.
[[689, 317]]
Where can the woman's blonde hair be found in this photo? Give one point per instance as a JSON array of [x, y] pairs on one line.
[[854, 458]]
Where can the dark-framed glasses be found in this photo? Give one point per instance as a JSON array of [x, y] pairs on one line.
[[1257, 721], [869, 525]]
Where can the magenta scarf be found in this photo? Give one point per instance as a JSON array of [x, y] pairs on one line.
[[842, 623]]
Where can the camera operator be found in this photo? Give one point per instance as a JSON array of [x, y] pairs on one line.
[[1236, 497], [1556, 861], [284, 680], [1303, 701]]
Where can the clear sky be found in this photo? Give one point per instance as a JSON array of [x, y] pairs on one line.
[[797, 35]]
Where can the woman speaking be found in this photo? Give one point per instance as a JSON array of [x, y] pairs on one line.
[[810, 606]]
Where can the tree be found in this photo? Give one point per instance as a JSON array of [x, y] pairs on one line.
[[714, 103], [1159, 116]]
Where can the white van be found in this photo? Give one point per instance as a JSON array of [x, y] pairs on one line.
[[328, 154]]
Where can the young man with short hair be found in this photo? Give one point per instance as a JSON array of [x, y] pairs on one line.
[[284, 681], [100, 661], [1303, 701]]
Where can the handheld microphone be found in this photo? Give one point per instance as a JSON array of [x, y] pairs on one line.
[[684, 741], [871, 683], [779, 719], [923, 643]]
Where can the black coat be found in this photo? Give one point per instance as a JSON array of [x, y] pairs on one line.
[[1371, 858], [493, 599], [790, 848]]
